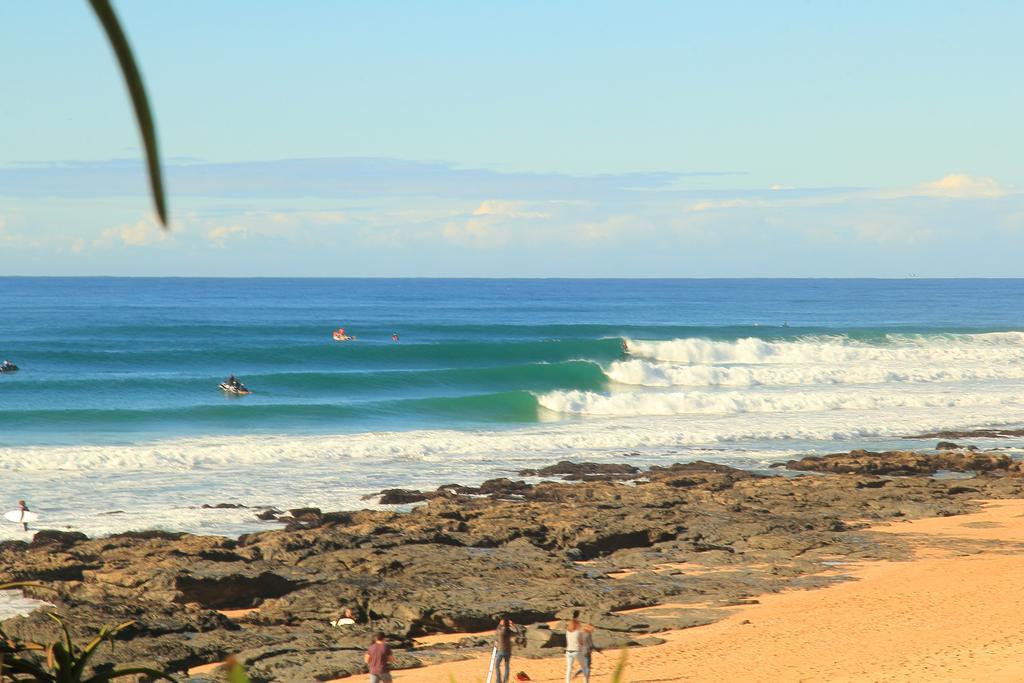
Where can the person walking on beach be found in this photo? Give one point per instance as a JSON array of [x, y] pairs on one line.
[[379, 659], [572, 644], [503, 637], [586, 650]]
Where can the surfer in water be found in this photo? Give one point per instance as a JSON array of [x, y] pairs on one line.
[[23, 508], [394, 336]]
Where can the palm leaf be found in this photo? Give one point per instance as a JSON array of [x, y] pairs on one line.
[[106, 633], [133, 79], [236, 672], [619, 668], [64, 628]]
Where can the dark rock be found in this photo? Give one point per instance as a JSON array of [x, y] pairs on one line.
[[149, 534], [53, 537], [504, 487], [970, 433], [902, 463], [399, 496], [305, 513], [580, 471], [223, 506], [230, 587], [959, 490]]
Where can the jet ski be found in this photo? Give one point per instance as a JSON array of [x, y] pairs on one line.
[[234, 387], [8, 366]]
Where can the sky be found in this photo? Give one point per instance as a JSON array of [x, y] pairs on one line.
[[529, 139]]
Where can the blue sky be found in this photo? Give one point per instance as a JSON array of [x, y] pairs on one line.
[[519, 139]]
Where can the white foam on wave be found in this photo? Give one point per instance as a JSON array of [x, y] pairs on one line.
[[653, 374], [1002, 347], [99, 496], [732, 402]]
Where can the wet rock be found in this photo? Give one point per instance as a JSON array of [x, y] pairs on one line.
[[305, 513], [223, 506], [399, 496], [583, 471], [503, 487], [970, 434], [902, 463]]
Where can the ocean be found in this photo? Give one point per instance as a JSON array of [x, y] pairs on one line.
[[115, 420]]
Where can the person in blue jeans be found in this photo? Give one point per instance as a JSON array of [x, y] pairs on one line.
[[586, 649], [503, 637]]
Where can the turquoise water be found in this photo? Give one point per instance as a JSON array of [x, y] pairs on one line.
[[116, 406]]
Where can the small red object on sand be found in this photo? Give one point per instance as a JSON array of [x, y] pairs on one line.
[[521, 676]]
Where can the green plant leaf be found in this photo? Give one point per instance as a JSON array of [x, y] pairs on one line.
[[619, 668], [64, 628], [133, 79], [236, 672]]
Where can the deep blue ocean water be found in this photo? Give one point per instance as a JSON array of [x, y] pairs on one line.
[[110, 360], [116, 406]]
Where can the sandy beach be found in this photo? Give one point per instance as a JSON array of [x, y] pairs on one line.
[[951, 614]]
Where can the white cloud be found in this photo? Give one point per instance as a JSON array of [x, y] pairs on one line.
[[962, 186], [143, 232], [297, 218], [509, 209], [713, 204], [494, 222], [220, 234]]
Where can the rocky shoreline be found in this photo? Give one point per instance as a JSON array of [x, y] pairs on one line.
[[602, 538]]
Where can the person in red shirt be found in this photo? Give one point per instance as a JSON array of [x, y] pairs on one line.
[[379, 659]]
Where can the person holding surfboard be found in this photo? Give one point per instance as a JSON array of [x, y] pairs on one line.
[[23, 508], [21, 516]]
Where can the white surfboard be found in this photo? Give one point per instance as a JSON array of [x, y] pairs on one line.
[[19, 516]]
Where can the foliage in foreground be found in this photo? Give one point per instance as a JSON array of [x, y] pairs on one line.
[[140, 103], [62, 661]]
